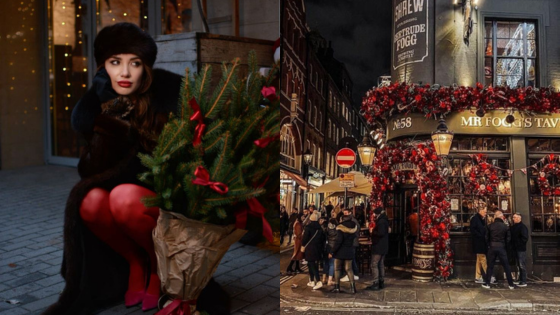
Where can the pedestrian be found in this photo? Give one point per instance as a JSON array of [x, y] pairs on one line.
[[498, 237], [479, 234], [331, 234], [310, 210], [519, 238], [329, 208], [343, 252], [293, 217], [297, 254], [284, 223], [356, 245], [108, 248], [379, 248], [312, 241]]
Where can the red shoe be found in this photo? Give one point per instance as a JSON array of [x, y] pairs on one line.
[[133, 298], [150, 301]]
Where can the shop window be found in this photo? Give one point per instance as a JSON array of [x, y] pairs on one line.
[[510, 53], [480, 144], [176, 16], [465, 201], [544, 209]]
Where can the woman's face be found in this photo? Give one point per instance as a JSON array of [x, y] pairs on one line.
[[125, 71]]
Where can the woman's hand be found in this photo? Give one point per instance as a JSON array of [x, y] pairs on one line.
[[102, 85]]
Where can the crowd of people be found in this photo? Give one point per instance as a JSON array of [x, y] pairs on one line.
[[328, 240]]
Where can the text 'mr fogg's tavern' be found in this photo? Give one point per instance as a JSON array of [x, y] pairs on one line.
[[527, 122], [410, 31], [482, 122]]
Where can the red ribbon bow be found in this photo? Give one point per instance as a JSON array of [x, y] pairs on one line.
[[203, 178], [198, 117], [254, 208], [263, 142], [177, 307]]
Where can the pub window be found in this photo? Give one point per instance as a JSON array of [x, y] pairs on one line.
[[544, 210], [287, 148], [510, 53], [464, 201]]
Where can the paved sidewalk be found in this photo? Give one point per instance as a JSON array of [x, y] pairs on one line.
[[32, 204], [402, 294]]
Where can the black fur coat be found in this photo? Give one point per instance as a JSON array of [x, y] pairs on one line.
[[96, 276]]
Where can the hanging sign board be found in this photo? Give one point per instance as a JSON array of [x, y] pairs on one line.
[[410, 29], [347, 180]]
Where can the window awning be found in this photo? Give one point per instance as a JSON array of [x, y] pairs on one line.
[[299, 180]]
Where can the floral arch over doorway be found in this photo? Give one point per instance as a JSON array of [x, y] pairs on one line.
[[434, 208]]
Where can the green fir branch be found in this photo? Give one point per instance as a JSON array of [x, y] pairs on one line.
[[222, 88]]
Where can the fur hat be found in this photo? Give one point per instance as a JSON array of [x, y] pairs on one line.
[[314, 216], [124, 38]]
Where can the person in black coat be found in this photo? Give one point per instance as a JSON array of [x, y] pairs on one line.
[[479, 242], [330, 234], [284, 223], [379, 248], [313, 240], [519, 238], [343, 252], [498, 237], [108, 247]]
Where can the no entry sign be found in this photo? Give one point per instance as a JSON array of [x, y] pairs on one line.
[[345, 158]]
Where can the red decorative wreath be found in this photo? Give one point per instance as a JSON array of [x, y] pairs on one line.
[[551, 168], [483, 178]]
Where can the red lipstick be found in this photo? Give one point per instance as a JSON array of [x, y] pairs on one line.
[[125, 84]]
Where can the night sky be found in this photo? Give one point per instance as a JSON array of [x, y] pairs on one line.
[[360, 31]]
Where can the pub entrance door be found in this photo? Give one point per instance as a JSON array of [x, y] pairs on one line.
[[402, 209]]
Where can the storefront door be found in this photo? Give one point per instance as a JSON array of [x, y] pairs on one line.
[[405, 202]]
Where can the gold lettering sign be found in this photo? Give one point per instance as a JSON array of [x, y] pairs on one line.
[[493, 123]]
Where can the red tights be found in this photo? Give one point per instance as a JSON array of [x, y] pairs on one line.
[[122, 221]]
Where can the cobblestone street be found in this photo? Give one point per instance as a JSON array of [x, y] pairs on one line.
[[32, 203]]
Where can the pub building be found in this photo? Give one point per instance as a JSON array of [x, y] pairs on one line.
[[489, 72]]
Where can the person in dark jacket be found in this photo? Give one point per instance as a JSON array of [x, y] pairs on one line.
[[331, 234], [379, 248], [329, 208], [292, 219], [108, 248], [356, 244], [284, 223], [519, 238], [313, 240], [498, 237], [343, 252], [479, 242]]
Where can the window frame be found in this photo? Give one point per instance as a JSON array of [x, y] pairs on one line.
[[538, 17]]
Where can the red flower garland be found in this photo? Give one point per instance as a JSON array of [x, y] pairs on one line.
[[434, 208], [436, 101]]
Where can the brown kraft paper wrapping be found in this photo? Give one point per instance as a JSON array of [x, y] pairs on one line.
[[188, 252]]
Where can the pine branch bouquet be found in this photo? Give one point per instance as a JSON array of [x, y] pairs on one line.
[[216, 163]]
